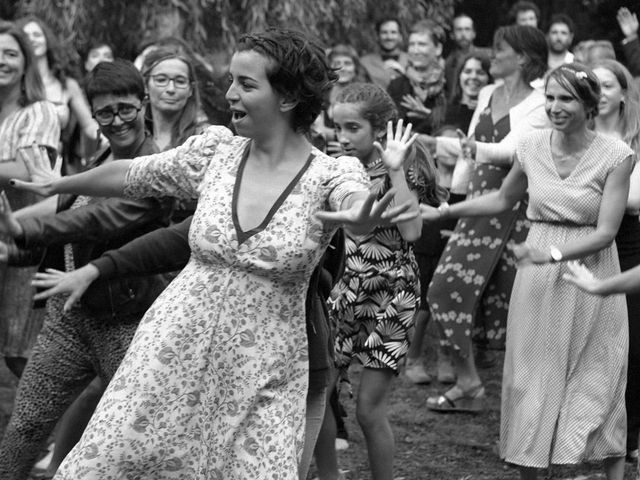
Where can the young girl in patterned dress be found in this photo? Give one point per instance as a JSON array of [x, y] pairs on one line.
[[375, 301]]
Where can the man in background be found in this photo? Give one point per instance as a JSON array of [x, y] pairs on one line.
[[525, 14], [390, 61], [463, 35], [559, 40]]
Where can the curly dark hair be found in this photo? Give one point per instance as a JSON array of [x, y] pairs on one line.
[[377, 106], [299, 71]]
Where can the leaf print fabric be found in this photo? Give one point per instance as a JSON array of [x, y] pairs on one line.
[[374, 303]]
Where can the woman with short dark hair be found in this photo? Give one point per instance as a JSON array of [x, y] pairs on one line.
[[214, 383]]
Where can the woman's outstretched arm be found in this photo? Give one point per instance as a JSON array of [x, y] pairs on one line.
[[583, 278], [104, 181]]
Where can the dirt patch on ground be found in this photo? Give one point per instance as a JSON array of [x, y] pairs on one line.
[[439, 446], [428, 445]]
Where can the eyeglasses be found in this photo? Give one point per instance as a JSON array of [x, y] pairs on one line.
[[162, 80], [125, 111]]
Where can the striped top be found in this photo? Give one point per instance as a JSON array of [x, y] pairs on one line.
[[35, 123]]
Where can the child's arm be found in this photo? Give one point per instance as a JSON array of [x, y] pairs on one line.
[[393, 157]]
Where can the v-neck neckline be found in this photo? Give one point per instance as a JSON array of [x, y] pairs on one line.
[[241, 235], [577, 166]]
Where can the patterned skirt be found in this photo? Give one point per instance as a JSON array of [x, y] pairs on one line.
[[470, 291]]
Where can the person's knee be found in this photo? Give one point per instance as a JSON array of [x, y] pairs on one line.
[[369, 414]]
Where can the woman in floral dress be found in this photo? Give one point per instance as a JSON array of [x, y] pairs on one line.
[[470, 290], [215, 381]]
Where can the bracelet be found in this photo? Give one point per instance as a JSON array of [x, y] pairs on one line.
[[443, 209]]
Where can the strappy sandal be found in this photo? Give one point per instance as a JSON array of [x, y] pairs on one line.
[[457, 400]]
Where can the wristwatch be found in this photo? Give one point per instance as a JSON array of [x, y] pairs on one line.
[[556, 254]]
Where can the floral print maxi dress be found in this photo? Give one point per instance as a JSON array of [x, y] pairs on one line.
[[214, 383], [470, 290], [374, 302]]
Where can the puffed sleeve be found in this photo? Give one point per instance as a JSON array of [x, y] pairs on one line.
[[177, 172], [348, 177]]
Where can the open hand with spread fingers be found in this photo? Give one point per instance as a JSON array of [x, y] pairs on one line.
[[415, 108], [365, 215], [628, 22], [582, 277], [8, 223], [42, 174], [75, 283], [397, 144]]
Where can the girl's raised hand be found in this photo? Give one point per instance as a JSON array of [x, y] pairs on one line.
[[582, 277], [75, 283], [397, 145], [42, 174]]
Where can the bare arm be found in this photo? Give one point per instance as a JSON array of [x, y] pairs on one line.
[[614, 196], [513, 189], [104, 181], [80, 108], [393, 157], [633, 201], [582, 277]]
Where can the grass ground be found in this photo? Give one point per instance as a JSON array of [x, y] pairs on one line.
[[429, 446], [436, 446]]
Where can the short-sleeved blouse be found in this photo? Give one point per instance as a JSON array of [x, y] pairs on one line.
[[553, 199]]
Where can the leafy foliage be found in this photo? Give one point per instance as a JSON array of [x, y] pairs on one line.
[[214, 25]]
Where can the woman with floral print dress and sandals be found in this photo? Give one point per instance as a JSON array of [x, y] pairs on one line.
[[215, 381], [469, 293]]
